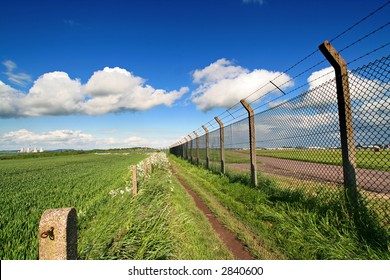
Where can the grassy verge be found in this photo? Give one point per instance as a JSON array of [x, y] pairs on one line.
[[194, 237], [286, 223], [162, 222]]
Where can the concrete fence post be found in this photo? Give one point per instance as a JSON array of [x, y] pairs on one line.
[[197, 147], [190, 148], [58, 234], [252, 142], [207, 147], [221, 143], [345, 120], [134, 177], [186, 148], [145, 166]]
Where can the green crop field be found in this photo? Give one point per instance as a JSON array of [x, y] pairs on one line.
[[161, 222], [30, 186]]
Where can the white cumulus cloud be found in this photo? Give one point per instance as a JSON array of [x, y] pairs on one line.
[[115, 89], [222, 84], [53, 93], [107, 91]]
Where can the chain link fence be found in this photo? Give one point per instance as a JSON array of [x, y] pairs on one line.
[[298, 142]]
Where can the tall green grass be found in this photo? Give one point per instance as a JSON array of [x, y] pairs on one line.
[[288, 221]]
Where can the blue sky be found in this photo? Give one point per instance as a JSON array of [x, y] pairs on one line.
[[101, 74]]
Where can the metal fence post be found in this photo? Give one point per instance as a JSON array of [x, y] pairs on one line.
[[252, 142], [207, 147], [345, 119], [197, 147], [58, 234], [221, 143]]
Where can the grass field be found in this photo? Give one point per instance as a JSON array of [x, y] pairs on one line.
[[364, 158], [161, 223], [30, 186]]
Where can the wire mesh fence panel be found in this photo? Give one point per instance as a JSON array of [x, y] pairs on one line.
[[215, 149], [370, 101], [299, 141], [237, 146], [202, 149]]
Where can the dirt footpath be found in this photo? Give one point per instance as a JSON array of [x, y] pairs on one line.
[[228, 237]]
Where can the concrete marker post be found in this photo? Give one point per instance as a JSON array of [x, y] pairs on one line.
[[58, 234]]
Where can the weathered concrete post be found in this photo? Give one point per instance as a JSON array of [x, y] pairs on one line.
[[221, 143], [58, 234], [186, 148], [345, 119], [207, 147], [252, 141], [197, 147], [190, 148], [182, 146], [145, 167], [134, 177]]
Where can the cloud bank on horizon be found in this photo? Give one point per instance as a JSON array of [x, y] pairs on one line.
[[66, 138]]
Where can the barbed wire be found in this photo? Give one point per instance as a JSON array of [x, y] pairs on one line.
[[359, 22]]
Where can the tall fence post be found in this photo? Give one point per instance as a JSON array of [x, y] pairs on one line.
[[182, 145], [221, 143], [207, 147], [345, 119], [186, 148], [197, 147], [134, 177], [58, 234], [190, 148], [252, 141], [185, 152]]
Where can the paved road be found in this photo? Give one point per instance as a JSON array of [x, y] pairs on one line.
[[372, 180]]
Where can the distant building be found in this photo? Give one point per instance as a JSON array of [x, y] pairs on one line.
[[31, 150]]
